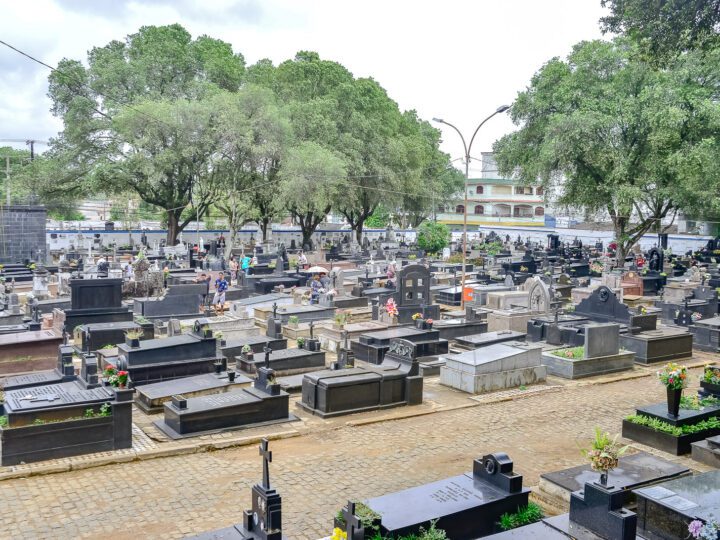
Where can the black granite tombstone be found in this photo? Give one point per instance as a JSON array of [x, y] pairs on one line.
[[466, 507], [264, 520], [95, 301]]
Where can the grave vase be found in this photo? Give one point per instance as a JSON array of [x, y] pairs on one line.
[[673, 401]]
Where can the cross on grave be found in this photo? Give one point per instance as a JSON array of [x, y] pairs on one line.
[[274, 308], [353, 527], [266, 363], [267, 459], [312, 327], [345, 339]]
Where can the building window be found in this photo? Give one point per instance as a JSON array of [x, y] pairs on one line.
[[479, 209], [501, 210], [479, 191], [441, 209], [459, 209], [518, 190], [539, 191], [539, 211], [522, 210]]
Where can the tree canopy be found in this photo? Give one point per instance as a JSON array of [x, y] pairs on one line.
[[183, 124], [605, 130], [663, 29]]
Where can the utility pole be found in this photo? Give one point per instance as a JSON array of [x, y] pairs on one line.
[[7, 180]]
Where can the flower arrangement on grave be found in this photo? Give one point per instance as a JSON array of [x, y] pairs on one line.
[[642, 310], [293, 321], [122, 378], [674, 377], [417, 316], [711, 374], [391, 308], [218, 334], [596, 267], [300, 342], [523, 268], [604, 454], [704, 531], [696, 316], [246, 350], [429, 322]]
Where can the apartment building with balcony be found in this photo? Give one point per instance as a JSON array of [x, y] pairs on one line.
[[493, 200]]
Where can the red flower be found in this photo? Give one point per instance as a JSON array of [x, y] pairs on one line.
[[121, 373], [670, 380], [109, 367]]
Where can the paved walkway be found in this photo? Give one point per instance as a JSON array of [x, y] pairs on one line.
[[318, 471]]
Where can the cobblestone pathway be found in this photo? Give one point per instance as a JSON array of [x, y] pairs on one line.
[[317, 472]]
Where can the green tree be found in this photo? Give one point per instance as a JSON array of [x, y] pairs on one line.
[[665, 28], [379, 218], [432, 236], [254, 134], [310, 179], [129, 117], [605, 131]]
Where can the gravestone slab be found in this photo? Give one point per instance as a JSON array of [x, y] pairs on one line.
[[634, 471], [665, 510], [465, 506], [602, 340], [286, 361], [494, 367], [489, 338], [150, 398]]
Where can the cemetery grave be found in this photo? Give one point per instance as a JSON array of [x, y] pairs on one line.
[[466, 506], [263, 403], [395, 381], [600, 354]]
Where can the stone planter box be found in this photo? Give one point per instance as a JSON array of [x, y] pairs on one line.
[[64, 439], [660, 345], [710, 389], [568, 368], [664, 441]]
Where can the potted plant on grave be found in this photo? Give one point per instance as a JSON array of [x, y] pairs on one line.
[[123, 377], [110, 375], [301, 342], [604, 454], [293, 321], [674, 377], [246, 352], [418, 320], [132, 337], [340, 320]]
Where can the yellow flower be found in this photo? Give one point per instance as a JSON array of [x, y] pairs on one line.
[[338, 534]]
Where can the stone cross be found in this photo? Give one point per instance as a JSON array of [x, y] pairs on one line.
[[345, 338], [268, 350], [274, 308], [352, 523], [267, 459], [312, 327]]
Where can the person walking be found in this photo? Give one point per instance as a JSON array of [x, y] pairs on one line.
[[221, 286]]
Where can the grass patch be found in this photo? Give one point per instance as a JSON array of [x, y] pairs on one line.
[[572, 353], [697, 403], [524, 516]]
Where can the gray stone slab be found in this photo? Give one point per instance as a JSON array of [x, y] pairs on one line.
[[634, 471], [602, 340], [490, 338]]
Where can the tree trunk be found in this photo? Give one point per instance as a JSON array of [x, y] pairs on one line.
[[173, 228], [264, 225], [358, 228]]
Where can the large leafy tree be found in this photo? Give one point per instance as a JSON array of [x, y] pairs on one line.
[[605, 131], [150, 82], [387, 154], [665, 28], [254, 135], [311, 178]]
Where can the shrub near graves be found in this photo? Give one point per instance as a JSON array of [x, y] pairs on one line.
[[524, 516]]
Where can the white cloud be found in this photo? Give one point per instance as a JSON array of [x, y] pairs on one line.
[[455, 59]]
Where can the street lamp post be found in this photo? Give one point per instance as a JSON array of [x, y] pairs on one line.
[[468, 148]]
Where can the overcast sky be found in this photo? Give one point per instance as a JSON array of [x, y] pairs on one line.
[[453, 59]]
